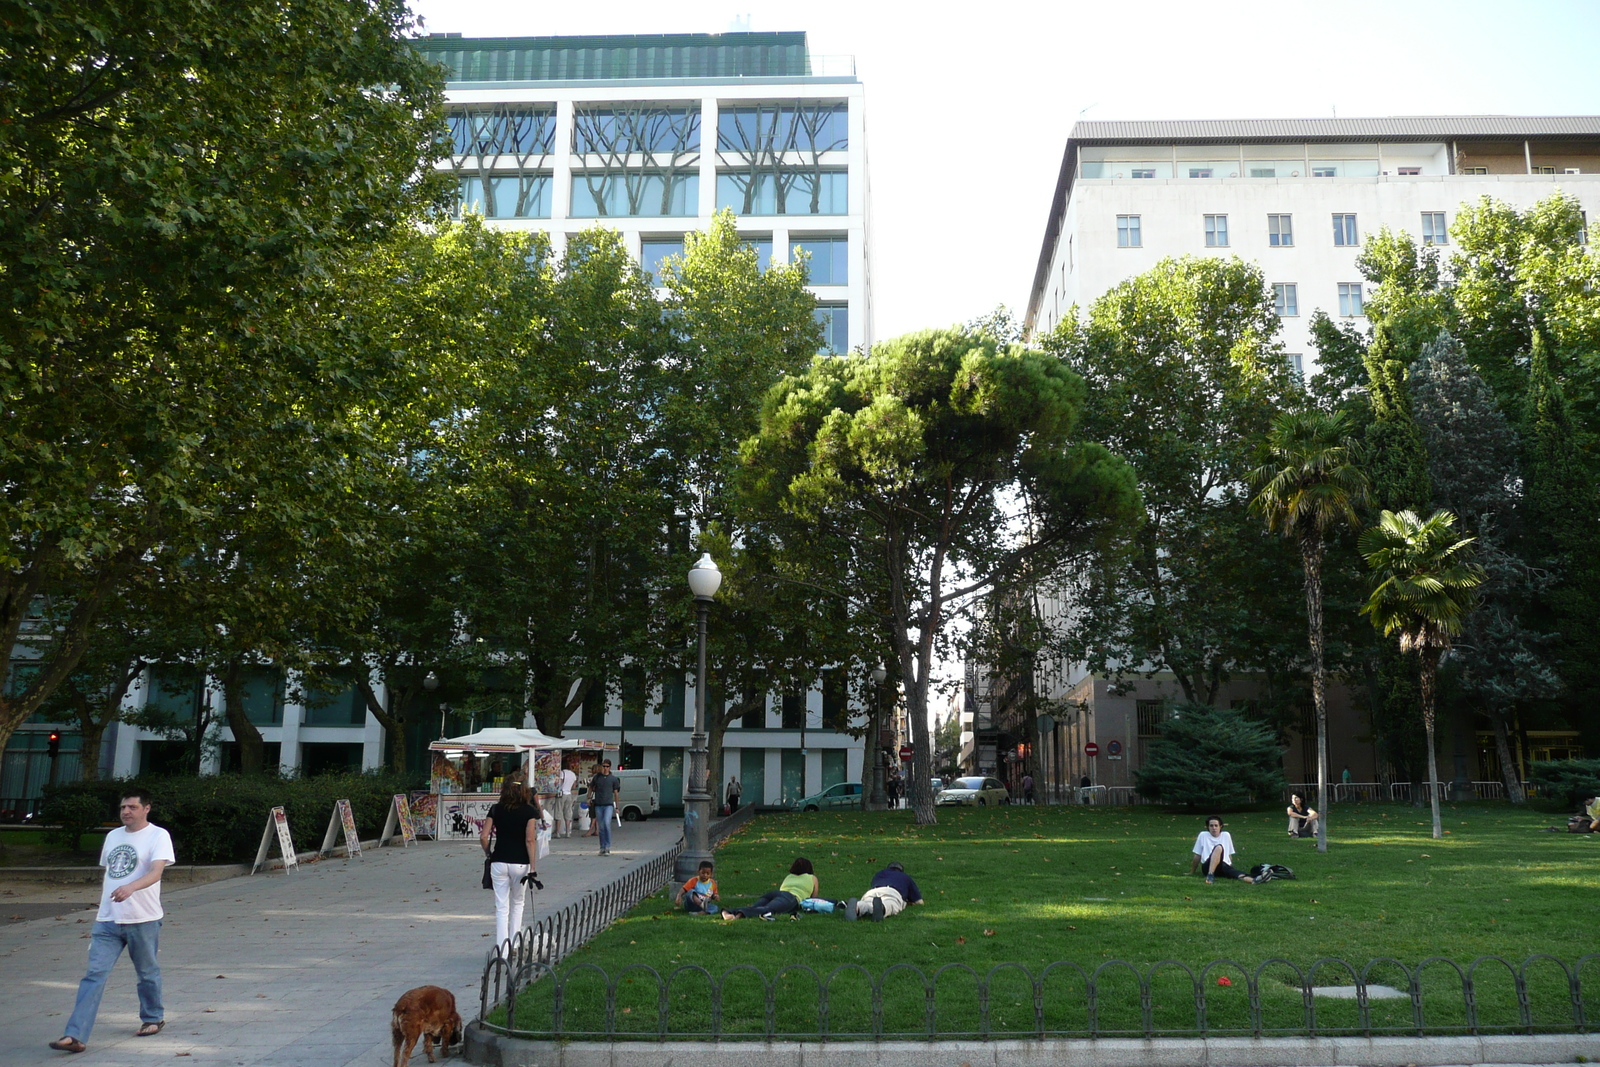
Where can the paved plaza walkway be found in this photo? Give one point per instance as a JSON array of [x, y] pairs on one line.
[[292, 970]]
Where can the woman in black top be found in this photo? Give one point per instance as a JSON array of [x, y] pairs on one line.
[[513, 823]]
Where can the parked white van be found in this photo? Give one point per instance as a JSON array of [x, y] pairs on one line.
[[640, 795]]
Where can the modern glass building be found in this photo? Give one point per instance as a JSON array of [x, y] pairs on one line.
[[652, 135]]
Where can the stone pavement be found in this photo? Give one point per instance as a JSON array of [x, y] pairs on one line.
[[298, 969]]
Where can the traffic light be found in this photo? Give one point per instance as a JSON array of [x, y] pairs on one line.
[[55, 744]]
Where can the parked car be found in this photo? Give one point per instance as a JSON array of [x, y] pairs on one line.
[[974, 791], [839, 795]]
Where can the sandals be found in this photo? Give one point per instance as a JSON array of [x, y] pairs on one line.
[[150, 1029], [68, 1044]]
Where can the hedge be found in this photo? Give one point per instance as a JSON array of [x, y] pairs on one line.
[[219, 819]]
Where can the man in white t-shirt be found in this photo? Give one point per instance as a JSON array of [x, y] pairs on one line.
[[567, 805], [1213, 850], [134, 855]]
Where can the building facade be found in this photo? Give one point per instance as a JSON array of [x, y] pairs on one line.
[[1297, 197], [652, 135]]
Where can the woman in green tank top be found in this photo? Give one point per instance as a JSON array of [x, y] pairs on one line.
[[799, 884]]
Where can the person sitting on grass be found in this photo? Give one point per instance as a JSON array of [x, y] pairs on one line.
[[1302, 817], [1213, 850], [800, 884], [892, 889], [699, 894]]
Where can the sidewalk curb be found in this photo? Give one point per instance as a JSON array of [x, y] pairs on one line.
[[494, 1050]]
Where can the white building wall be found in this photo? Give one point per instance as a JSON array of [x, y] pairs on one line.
[[1088, 263]]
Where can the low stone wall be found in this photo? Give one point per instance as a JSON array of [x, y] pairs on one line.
[[483, 1047]]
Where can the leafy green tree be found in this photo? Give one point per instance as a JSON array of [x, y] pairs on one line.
[[1212, 758], [1424, 589], [169, 177], [1309, 486], [896, 468], [1474, 472], [1185, 376]]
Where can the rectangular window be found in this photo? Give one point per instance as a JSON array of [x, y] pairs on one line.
[[1433, 231], [1350, 299], [1128, 231], [1285, 299], [609, 195], [1408, 171], [505, 196], [835, 320], [1344, 230], [829, 260], [794, 711], [1280, 231], [653, 250], [1216, 231], [788, 192]]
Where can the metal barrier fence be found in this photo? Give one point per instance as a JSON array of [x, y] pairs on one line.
[[557, 1011], [551, 939]]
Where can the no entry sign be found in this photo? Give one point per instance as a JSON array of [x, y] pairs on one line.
[[906, 752], [1091, 749]]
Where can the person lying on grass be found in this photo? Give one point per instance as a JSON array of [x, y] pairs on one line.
[[797, 886], [1213, 850], [892, 889]]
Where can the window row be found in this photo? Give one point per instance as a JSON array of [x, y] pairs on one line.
[[828, 257], [1286, 299], [1232, 168], [755, 131], [608, 194], [1280, 230]]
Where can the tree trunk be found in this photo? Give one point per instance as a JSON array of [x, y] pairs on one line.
[[392, 719], [1508, 768], [1429, 660], [252, 749], [1311, 557]]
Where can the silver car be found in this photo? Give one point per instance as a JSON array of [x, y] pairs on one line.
[[974, 792]]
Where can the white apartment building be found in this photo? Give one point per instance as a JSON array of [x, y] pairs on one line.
[[1296, 196], [652, 135]]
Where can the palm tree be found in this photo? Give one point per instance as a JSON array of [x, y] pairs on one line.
[[1425, 588], [1308, 487]]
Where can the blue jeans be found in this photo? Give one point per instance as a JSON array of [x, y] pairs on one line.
[[141, 941], [604, 812]]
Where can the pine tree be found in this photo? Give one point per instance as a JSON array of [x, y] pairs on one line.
[[1563, 515]]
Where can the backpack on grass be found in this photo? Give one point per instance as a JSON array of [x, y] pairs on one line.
[[1266, 872]]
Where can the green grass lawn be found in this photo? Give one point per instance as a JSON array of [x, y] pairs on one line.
[[1032, 886]]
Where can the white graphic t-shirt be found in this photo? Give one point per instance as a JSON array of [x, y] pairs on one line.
[[127, 857]]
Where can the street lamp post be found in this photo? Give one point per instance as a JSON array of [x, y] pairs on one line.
[[704, 578], [879, 800]]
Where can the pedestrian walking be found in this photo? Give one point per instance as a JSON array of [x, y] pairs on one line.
[[513, 825], [603, 803], [134, 855], [567, 809]]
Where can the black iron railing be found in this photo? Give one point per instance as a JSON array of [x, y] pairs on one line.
[[525, 995]]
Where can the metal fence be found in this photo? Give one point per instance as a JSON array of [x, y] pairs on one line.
[[1116, 999]]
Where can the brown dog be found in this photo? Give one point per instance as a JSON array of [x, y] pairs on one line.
[[426, 1012]]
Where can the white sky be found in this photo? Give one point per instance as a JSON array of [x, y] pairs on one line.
[[968, 107]]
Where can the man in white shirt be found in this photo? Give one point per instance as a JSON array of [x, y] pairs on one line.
[[134, 855], [567, 805], [1213, 849]]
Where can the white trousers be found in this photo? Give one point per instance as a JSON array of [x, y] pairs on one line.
[[893, 902], [509, 896]]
